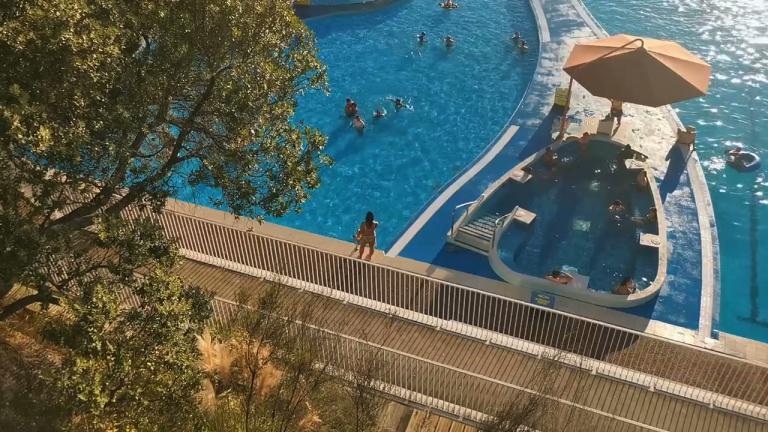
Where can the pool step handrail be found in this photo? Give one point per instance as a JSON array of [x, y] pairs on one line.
[[500, 226], [466, 207]]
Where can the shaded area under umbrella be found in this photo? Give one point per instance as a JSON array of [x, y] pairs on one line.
[[637, 70]]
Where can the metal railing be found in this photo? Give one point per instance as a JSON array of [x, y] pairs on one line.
[[499, 224], [463, 394], [616, 352], [465, 207]]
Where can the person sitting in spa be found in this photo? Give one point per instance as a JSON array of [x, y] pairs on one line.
[[559, 276]]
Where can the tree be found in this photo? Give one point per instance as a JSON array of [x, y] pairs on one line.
[[110, 104], [135, 367]]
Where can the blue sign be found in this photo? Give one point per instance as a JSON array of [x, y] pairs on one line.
[[543, 299]]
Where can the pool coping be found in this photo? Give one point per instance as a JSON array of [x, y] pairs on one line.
[[591, 296]]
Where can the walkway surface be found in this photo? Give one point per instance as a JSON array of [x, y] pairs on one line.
[[682, 302], [599, 402]]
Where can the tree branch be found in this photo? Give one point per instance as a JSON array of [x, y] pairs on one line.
[[23, 302]]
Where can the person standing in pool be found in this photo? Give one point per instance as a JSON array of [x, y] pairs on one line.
[[523, 46], [359, 124], [366, 235], [550, 158], [350, 108], [516, 38], [422, 37], [584, 142], [617, 209], [449, 41]]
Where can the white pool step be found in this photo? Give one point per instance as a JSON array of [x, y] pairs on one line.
[[477, 234]]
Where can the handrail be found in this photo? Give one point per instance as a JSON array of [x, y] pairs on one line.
[[460, 206], [455, 308], [499, 224]]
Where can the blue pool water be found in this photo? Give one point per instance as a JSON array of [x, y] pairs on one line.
[[733, 37], [461, 99], [573, 229]]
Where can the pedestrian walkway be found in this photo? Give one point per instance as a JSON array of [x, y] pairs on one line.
[[593, 398]]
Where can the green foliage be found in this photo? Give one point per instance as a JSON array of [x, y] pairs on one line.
[[105, 104], [132, 368]]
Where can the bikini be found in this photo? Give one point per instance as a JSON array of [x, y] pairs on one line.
[[368, 235]]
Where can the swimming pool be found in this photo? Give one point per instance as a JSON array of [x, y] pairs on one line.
[[461, 98], [573, 230], [732, 37]]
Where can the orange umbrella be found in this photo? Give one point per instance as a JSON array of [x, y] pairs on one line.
[[642, 71]]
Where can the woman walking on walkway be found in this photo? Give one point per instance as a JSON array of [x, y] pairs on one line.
[[366, 235]]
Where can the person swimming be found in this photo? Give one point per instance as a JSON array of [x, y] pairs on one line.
[[516, 38], [350, 108], [449, 4], [584, 142], [400, 103], [379, 113], [449, 41], [358, 123], [422, 38]]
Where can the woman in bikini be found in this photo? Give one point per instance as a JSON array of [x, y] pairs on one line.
[[366, 235]]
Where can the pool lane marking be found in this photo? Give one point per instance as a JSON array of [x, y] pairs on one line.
[[419, 223]]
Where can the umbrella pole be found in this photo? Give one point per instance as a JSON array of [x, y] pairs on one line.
[[566, 108]]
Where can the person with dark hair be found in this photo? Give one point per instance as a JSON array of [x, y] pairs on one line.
[[559, 276], [617, 209], [550, 158], [350, 108], [626, 287], [366, 235]]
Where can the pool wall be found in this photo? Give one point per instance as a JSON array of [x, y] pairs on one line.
[[578, 293]]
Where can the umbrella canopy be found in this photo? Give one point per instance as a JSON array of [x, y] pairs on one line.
[[642, 71]]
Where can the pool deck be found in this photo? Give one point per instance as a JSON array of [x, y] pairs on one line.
[[693, 253]]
